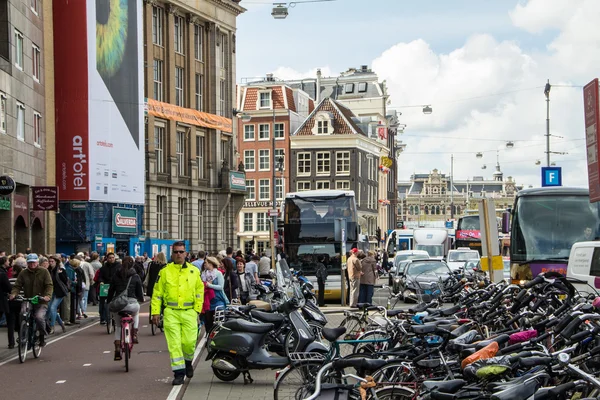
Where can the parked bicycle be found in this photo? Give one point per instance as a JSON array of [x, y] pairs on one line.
[[28, 333], [160, 325]]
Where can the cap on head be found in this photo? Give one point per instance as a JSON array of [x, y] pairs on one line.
[[354, 250], [32, 257]]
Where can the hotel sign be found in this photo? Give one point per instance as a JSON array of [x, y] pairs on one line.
[[256, 204]]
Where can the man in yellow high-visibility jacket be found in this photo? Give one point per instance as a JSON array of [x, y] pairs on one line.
[[180, 290]]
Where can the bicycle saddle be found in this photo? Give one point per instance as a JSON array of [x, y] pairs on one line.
[[332, 334], [393, 313], [451, 386], [125, 314]]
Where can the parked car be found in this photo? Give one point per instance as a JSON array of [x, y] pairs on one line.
[[417, 279], [404, 255]]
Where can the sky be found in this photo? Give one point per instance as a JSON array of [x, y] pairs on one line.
[[481, 65]]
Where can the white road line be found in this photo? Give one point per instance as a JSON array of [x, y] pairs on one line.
[[60, 381], [86, 365], [176, 389], [106, 352], [55, 340], [144, 326]]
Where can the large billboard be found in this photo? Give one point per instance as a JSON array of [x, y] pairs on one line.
[[98, 52]]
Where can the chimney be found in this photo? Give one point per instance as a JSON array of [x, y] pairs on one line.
[[364, 68], [270, 78], [318, 91]]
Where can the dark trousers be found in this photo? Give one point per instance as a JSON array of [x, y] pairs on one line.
[[12, 320], [365, 294], [73, 310], [321, 298], [244, 297], [93, 295], [209, 318], [103, 309]]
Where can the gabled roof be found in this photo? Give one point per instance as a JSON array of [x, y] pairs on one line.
[[251, 97], [342, 119]]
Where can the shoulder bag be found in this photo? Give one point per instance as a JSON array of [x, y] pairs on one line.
[[121, 300]]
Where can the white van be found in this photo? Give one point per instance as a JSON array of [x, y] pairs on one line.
[[584, 266]]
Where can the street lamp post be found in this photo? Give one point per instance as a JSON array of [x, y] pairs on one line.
[[274, 208], [452, 186], [547, 93]]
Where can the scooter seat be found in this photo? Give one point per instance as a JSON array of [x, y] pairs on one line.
[[393, 313], [451, 386], [421, 329], [267, 317], [245, 309], [331, 334], [450, 311], [240, 325]]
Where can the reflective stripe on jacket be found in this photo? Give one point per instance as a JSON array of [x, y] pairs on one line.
[[179, 287]]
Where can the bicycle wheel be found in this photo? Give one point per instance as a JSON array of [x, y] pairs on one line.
[[394, 372], [23, 340], [394, 393], [37, 349], [373, 347], [153, 328], [126, 355], [297, 382], [354, 327]]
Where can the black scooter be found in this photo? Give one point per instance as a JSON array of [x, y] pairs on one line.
[[239, 346]]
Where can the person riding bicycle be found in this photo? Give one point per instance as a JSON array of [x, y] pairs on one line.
[[124, 276], [35, 281], [180, 289]]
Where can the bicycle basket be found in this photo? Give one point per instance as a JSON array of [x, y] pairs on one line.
[[296, 358]]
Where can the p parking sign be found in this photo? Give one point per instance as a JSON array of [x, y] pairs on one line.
[[551, 176]]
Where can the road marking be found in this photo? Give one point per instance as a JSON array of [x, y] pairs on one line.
[[60, 381], [86, 365], [106, 352], [63, 336], [176, 389], [144, 326]]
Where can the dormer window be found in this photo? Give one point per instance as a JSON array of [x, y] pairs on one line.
[[323, 124], [362, 87], [349, 88], [264, 99]]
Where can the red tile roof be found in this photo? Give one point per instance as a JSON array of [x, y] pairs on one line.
[[290, 98], [342, 119]]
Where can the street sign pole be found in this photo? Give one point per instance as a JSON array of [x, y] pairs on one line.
[[491, 260]]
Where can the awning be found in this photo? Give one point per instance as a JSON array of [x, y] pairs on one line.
[[188, 116]]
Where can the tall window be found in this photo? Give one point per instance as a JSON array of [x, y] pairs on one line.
[[278, 131], [34, 6], [223, 92], [158, 80], [158, 15], [179, 72], [249, 160], [19, 49], [201, 222], [2, 113], [248, 132], [263, 160], [302, 186], [278, 188], [198, 42], [161, 215], [160, 141], [223, 51], [264, 189], [250, 189], [178, 30], [248, 220], [280, 154], [20, 121], [200, 148], [323, 185], [263, 132], [303, 164], [342, 162], [323, 163], [265, 100], [198, 92], [180, 147], [36, 61], [181, 220], [37, 130], [261, 221]]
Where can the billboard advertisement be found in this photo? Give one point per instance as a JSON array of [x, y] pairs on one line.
[[99, 100], [591, 117]]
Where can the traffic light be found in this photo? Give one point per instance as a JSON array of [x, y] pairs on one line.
[[378, 233]]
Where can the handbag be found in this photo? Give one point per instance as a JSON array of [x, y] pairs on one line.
[[121, 300]]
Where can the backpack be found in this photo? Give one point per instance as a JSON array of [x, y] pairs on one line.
[[321, 272]]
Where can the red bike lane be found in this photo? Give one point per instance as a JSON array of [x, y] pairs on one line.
[[80, 366]]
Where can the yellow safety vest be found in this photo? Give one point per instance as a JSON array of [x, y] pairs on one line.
[[179, 287]]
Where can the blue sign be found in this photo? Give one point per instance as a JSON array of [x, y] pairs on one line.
[[551, 176], [449, 224]]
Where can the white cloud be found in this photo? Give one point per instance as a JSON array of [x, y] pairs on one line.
[[505, 86]]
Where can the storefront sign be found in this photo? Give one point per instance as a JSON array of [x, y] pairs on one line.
[[5, 204], [45, 198], [98, 237], [256, 204], [124, 220], [7, 185], [237, 180], [78, 205]]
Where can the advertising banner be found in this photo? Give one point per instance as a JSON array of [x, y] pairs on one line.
[[45, 198], [99, 116], [187, 116], [124, 220], [592, 114]]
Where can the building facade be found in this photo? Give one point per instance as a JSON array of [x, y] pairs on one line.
[[427, 198], [274, 111], [26, 122], [330, 150], [193, 189]]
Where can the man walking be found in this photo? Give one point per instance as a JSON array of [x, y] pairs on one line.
[[354, 273], [35, 281], [180, 289]]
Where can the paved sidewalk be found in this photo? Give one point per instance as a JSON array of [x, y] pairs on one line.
[[206, 386]]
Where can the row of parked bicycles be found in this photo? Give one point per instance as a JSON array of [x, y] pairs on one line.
[[498, 341]]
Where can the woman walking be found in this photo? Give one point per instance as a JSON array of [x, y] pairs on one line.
[[368, 278], [126, 277], [231, 280], [213, 279], [60, 281]]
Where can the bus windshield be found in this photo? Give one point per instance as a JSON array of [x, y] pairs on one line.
[[469, 223], [545, 227], [305, 257]]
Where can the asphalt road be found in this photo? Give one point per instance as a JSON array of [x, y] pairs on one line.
[[79, 364]]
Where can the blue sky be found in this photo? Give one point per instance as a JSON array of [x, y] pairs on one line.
[[480, 64]]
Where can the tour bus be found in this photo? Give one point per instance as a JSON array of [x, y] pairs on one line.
[[546, 222], [313, 223], [399, 240]]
